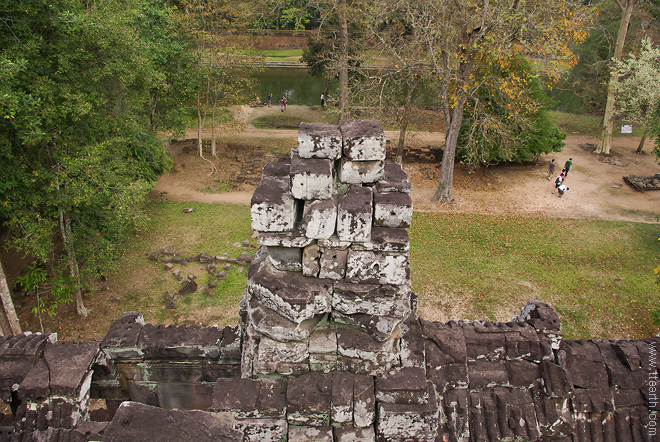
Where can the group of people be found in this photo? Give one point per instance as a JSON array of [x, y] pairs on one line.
[[269, 97], [560, 184], [283, 100]]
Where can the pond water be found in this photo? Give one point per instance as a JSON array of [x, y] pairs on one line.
[[298, 86]]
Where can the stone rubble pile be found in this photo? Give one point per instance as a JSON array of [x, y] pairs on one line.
[[644, 183], [330, 286]]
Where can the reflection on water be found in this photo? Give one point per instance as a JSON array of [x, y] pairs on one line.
[[298, 86]]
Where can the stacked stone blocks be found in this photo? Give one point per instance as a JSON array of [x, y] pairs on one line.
[[330, 287]]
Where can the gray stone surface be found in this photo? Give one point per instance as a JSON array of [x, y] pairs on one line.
[[272, 208], [320, 218], [355, 214], [311, 178], [392, 209], [360, 172], [136, 422], [364, 140], [319, 140]]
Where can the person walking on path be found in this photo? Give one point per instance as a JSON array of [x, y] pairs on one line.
[[558, 181], [322, 101], [282, 104], [567, 165], [269, 97], [551, 169]]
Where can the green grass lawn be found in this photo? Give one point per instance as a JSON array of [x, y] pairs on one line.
[[597, 274]]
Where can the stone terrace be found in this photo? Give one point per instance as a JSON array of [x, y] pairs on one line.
[[329, 346]]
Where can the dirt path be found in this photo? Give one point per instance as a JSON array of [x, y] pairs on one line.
[[596, 187]]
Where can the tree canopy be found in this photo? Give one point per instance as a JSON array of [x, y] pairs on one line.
[[83, 86]]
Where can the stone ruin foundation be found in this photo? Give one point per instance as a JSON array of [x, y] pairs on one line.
[[329, 345]]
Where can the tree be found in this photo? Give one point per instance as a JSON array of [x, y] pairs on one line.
[[637, 91], [507, 119], [608, 119], [460, 37], [76, 143], [224, 68]]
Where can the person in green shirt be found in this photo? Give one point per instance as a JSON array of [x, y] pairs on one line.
[[567, 166]]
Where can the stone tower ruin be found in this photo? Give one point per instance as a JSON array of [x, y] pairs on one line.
[[330, 287]]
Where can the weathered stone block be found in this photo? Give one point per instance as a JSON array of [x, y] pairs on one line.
[[355, 214], [310, 434], [65, 370], [320, 218], [364, 140], [384, 239], [272, 208], [380, 327], [361, 353], [404, 386], [292, 295], [364, 401], [286, 259], [359, 172], [259, 430], [584, 364], [395, 179], [377, 268], [352, 434], [121, 340], [310, 398], [135, 421], [278, 169], [171, 342], [310, 260], [397, 422], [412, 341], [311, 178], [342, 398], [334, 243], [268, 322], [392, 209], [250, 398], [319, 140], [295, 238], [285, 358], [323, 350], [371, 299], [332, 263]]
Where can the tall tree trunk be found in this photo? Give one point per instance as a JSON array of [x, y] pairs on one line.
[[641, 142], [200, 126], [404, 122], [65, 230], [608, 118], [213, 149], [455, 119], [8, 305], [343, 60]]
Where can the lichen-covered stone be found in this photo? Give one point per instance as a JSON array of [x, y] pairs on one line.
[[394, 180], [355, 214], [359, 172], [294, 238], [292, 295], [310, 397], [269, 323], [272, 208], [364, 140], [332, 263], [371, 299], [311, 178], [288, 259], [284, 358], [377, 268], [392, 209], [319, 140], [320, 218], [310, 261]]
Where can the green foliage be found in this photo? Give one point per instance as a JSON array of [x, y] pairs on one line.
[[83, 87], [508, 119]]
